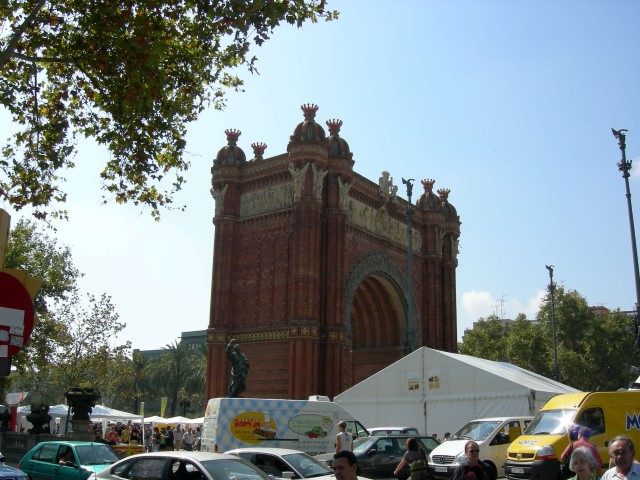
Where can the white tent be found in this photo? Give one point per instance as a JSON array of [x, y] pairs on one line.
[[179, 420], [438, 391], [155, 419], [100, 412]]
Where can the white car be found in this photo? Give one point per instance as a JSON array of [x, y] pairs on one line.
[[182, 465], [285, 463], [493, 436]]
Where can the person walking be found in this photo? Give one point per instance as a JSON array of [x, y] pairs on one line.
[[583, 436], [187, 440], [473, 466], [344, 440], [584, 464], [417, 460], [622, 452], [345, 465]]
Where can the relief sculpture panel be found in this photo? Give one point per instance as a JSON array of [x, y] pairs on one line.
[[270, 199]]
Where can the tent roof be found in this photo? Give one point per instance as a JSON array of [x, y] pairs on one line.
[[456, 375], [101, 411]]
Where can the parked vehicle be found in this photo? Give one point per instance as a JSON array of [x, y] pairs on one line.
[[378, 457], [382, 431], [279, 461], [536, 454], [182, 465], [493, 435], [10, 473], [307, 425], [61, 460]]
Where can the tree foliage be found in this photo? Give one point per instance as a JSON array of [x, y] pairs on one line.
[[594, 351], [180, 371], [73, 339], [129, 74]]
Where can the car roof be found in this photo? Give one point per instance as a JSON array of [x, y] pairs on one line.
[[500, 419], [196, 455], [70, 442], [271, 450], [391, 428]]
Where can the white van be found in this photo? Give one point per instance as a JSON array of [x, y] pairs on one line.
[[307, 425], [493, 435]]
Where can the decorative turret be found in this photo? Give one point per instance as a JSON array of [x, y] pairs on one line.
[[429, 200], [231, 154], [309, 130], [335, 144], [258, 151], [449, 210]]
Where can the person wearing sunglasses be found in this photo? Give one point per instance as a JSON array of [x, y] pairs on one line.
[[473, 467], [622, 453]]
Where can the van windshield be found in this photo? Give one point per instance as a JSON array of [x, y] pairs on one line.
[[551, 422], [477, 431]]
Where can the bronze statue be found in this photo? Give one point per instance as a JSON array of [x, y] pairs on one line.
[[239, 369]]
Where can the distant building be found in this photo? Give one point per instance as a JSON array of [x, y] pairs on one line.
[[195, 339]]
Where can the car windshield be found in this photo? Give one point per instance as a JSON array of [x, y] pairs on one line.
[[551, 422], [306, 465], [96, 454], [361, 445], [233, 469], [477, 431]]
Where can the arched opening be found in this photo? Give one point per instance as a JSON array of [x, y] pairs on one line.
[[378, 323]]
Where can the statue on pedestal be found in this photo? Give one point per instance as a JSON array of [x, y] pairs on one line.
[[239, 369]]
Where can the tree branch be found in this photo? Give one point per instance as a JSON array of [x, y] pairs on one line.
[[9, 52]]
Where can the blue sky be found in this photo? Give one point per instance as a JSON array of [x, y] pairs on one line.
[[507, 103]]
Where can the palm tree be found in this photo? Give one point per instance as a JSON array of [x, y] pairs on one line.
[[177, 370]]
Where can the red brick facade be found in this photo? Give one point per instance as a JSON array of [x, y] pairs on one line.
[[310, 267]]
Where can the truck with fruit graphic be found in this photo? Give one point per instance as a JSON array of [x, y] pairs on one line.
[[307, 425]]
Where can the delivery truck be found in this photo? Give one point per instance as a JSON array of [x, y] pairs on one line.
[[307, 425], [536, 454]]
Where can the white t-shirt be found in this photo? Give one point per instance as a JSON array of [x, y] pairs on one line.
[[346, 440]]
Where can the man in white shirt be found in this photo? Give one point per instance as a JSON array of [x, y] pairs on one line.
[[344, 440], [622, 452]]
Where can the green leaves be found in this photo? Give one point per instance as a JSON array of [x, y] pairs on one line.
[[594, 351], [132, 75]]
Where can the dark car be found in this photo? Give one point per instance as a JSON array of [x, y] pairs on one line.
[[378, 457], [7, 472], [67, 460]]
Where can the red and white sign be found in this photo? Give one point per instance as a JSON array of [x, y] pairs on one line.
[[16, 315]]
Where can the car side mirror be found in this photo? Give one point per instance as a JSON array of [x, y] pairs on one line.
[[373, 451], [287, 474]]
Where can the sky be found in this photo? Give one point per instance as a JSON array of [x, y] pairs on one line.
[[509, 104]]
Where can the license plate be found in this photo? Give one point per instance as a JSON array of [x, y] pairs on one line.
[[519, 470], [441, 469]]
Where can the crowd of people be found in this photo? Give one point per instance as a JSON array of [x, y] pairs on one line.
[[155, 438]]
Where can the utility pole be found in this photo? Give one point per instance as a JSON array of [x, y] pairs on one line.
[[556, 373]]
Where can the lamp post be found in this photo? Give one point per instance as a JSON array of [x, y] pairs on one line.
[[409, 212], [556, 374], [625, 166]]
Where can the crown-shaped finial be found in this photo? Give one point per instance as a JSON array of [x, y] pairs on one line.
[[428, 185], [232, 135], [334, 126], [258, 150], [309, 110], [444, 194]]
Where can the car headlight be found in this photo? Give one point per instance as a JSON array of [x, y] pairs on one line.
[[460, 458], [545, 453]]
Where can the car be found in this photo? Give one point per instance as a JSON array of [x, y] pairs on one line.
[[382, 431], [67, 460], [493, 435], [7, 472], [378, 457], [182, 465], [277, 461]]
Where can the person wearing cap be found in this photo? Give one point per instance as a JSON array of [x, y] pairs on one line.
[[584, 434], [344, 440]]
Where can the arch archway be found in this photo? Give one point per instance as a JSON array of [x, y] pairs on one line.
[[376, 314]]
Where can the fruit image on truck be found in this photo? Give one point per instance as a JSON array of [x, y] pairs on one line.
[[307, 425]]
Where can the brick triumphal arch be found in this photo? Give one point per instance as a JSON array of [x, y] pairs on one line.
[[310, 267]]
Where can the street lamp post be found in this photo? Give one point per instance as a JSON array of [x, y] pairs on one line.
[[556, 374], [625, 166], [409, 212], [184, 403]]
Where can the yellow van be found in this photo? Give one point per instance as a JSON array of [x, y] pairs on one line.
[[536, 454]]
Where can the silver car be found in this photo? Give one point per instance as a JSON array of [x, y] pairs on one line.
[[182, 465], [285, 463]]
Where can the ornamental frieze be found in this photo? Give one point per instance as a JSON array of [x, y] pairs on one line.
[[379, 222], [272, 198]]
